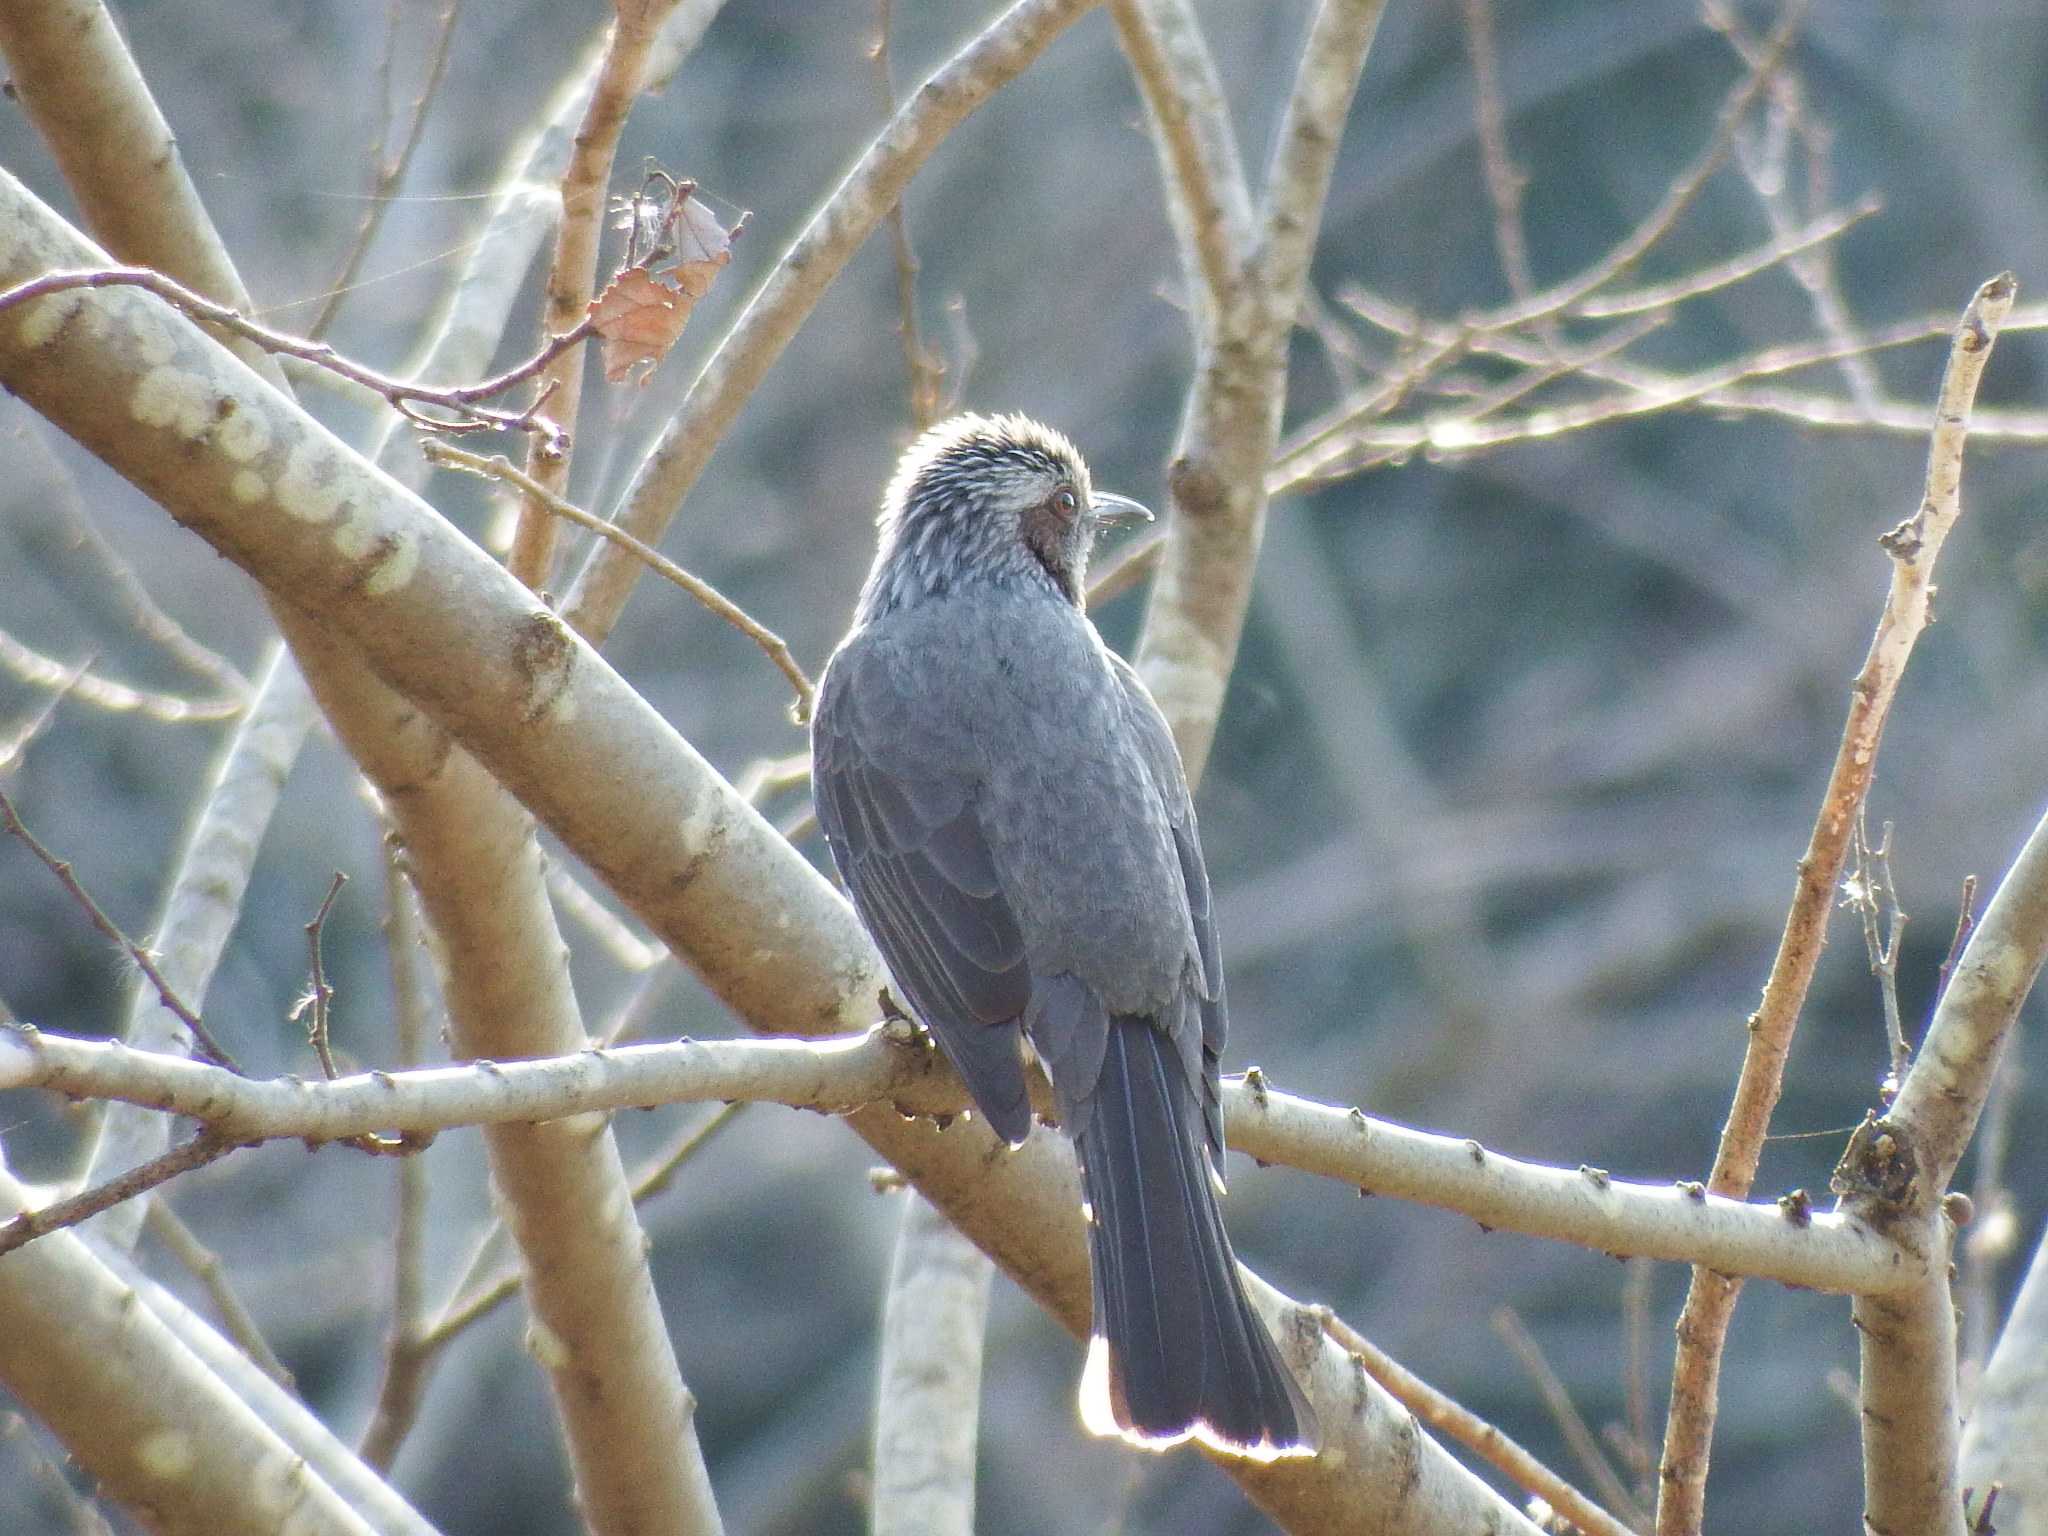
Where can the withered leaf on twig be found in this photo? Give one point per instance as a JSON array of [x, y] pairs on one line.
[[644, 309], [639, 319]]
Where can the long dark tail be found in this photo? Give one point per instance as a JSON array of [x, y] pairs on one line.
[[1177, 1351]]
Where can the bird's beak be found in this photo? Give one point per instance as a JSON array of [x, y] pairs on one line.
[[1113, 511]]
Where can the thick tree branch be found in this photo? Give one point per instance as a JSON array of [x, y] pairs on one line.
[[1908, 1340], [1210, 201], [362, 710], [1232, 425], [626, 1416], [153, 1426], [2008, 1421], [928, 1393]]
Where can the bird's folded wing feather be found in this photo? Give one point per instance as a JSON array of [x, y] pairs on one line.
[[1162, 761], [910, 848]]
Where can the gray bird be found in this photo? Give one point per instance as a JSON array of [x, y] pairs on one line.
[[1006, 805]]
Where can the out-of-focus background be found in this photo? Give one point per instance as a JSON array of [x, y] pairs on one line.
[[1519, 755]]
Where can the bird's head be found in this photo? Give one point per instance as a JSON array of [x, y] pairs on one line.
[[988, 498]]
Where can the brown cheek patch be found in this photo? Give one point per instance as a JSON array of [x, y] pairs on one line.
[[1045, 535]]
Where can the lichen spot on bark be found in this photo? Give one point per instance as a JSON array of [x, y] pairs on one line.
[[42, 320], [168, 1454], [385, 558], [241, 433], [174, 400], [309, 488]]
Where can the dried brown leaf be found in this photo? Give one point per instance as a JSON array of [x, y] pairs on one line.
[[643, 311], [639, 318]]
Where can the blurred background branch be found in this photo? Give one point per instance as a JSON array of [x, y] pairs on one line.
[[1624, 367]]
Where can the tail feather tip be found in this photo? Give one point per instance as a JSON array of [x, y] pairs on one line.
[[1101, 1417]]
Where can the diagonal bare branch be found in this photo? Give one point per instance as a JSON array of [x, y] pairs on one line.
[[1913, 546]]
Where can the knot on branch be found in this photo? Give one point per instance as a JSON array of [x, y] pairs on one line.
[[1879, 1167], [1903, 542], [545, 655], [1199, 491]]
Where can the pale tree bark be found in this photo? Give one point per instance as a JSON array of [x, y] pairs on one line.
[[153, 1425], [1248, 267], [928, 1386], [1782, 1240], [596, 1324], [235, 462], [2008, 1425], [200, 912], [623, 1404], [1896, 1174]]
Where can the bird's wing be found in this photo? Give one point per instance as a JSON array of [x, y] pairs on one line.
[[1169, 779], [906, 838]]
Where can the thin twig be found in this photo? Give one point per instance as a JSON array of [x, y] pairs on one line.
[[316, 1005], [1869, 891], [1679, 196], [1315, 452], [1585, 1445], [572, 272], [498, 467], [1504, 179], [1456, 1422], [144, 614], [1137, 559], [1735, 269], [387, 174], [1966, 919], [613, 934], [1644, 392], [631, 1018], [206, 1267], [1349, 362], [26, 1226], [10, 821], [402, 1386], [1813, 270], [765, 775], [17, 741], [1635, 1313], [464, 404], [1446, 432], [924, 373], [319, 995], [79, 682]]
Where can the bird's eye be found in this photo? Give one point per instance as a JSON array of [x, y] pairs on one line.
[[1065, 502]]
